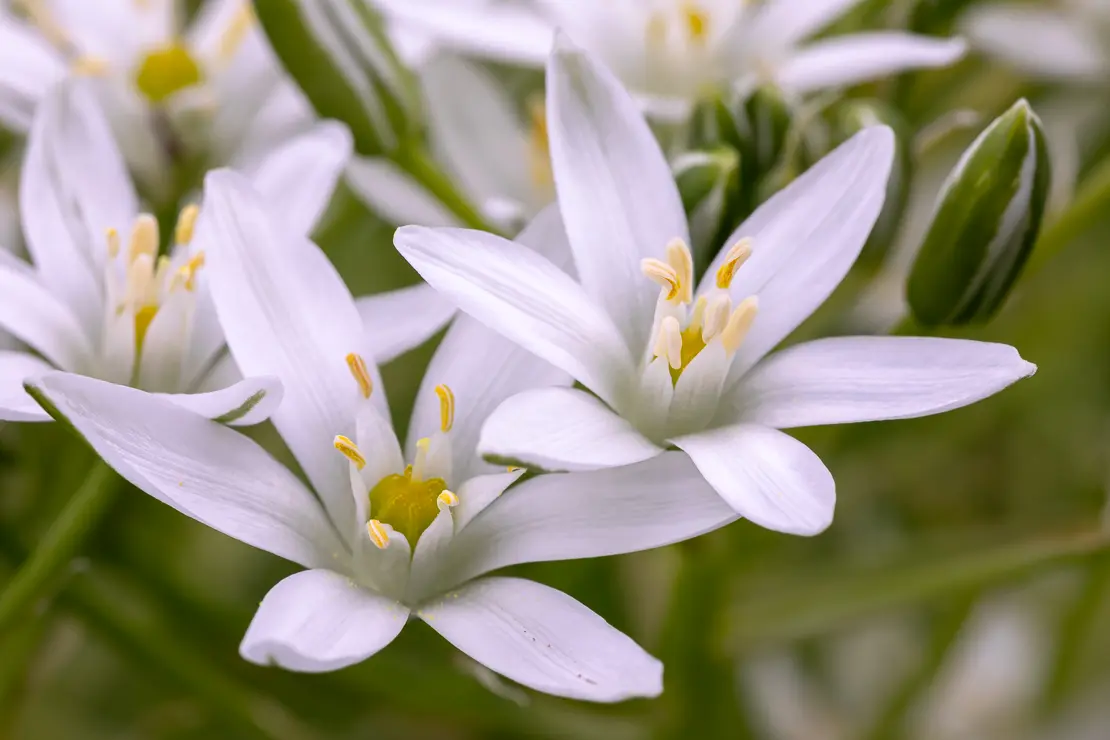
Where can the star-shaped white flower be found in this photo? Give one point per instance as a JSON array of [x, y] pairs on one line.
[[99, 299], [1067, 41], [687, 367], [211, 92], [387, 535], [670, 53]]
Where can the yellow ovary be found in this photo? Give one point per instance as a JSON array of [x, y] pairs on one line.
[[167, 70]]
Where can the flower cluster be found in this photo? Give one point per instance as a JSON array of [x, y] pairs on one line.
[[605, 383]]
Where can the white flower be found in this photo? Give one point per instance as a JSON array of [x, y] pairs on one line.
[[1068, 42], [99, 299], [499, 158], [671, 52], [683, 367], [211, 93], [384, 540]]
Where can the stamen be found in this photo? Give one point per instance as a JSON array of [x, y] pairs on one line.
[[361, 374], [447, 499], [379, 535], [717, 309], [350, 451], [89, 66], [539, 146], [446, 407], [187, 274], [737, 255], [186, 222], [697, 317], [656, 32], [679, 258], [417, 469], [668, 343], [663, 274], [697, 22], [236, 31], [739, 324], [144, 237], [113, 243], [41, 17]]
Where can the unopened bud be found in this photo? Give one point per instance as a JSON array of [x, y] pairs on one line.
[[987, 220], [709, 182]]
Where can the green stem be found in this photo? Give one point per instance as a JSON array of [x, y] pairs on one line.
[[414, 160], [63, 540], [1077, 628], [1086, 209], [946, 629]]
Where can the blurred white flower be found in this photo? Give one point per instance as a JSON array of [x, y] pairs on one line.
[[497, 154], [1065, 41], [672, 52], [99, 299], [384, 540], [672, 366], [205, 95]]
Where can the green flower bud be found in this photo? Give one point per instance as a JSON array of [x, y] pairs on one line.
[[764, 126], [338, 52], [987, 220], [709, 182]]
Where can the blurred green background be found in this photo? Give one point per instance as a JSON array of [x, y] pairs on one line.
[[962, 591]]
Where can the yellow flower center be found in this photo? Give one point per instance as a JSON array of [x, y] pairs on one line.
[[406, 504], [167, 70]]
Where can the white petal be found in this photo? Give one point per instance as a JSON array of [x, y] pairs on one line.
[[29, 66], [15, 404], [765, 476], [479, 492], [428, 557], [297, 178], [501, 32], [403, 319], [32, 313], [74, 187], [477, 129], [394, 196], [205, 470], [850, 379], [318, 620], [544, 639], [248, 402], [783, 23], [806, 237], [286, 312], [518, 293], [697, 394], [862, 57], [114, 29], [379, 445], [616, 191], [565, 516], [1065, 47], [167, 340], [561, 429]]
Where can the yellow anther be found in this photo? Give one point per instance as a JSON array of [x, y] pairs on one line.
[[361, 374], [379, 535], [737, 255], [680, 259], [232, 37], [697, 21], [144, 237], [539, 146], [739, 324], [668, 342], [697, 317], [663, 274], [113, 243], [447, 498], [513, 468], [186, 223], [89, 66], [446, 407], [350, 451], [187, 274]]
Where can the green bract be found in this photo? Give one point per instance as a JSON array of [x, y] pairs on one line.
[[709, 182], [986, 222], [338, 53]]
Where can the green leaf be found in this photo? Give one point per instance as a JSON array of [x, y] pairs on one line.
[[798, 607]]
